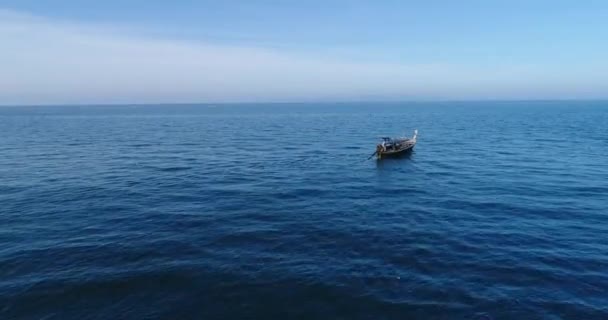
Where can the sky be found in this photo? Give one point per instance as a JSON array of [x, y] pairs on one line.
[[187, 51]]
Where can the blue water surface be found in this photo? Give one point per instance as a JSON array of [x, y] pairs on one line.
[[273, 212]]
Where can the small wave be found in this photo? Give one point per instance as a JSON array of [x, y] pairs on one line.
[[174, 169]]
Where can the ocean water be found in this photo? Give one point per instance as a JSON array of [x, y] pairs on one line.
[[273, 212]]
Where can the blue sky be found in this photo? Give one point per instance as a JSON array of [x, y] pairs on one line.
[[218, 51]]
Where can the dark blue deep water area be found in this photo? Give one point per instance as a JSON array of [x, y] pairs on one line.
[[271, 211]]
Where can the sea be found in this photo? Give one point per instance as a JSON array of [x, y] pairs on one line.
[[274, 211]]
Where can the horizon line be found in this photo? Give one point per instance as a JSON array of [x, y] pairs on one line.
[[228, 103]]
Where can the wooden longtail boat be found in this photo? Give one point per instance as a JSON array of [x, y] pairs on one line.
[[395, 146]]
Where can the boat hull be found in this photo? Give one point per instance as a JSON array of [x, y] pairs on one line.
[[395, 153]]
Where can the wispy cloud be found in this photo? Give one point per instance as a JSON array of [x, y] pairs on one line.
[[47, 61]]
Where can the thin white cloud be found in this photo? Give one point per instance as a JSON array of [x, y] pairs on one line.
[[43, 61]]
